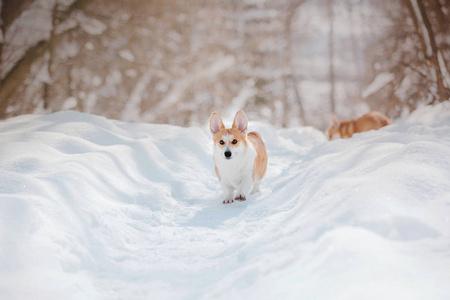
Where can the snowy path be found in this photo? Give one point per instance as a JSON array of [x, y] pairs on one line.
[[92, 208]]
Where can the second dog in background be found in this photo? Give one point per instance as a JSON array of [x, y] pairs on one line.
[[345, 129], [240, 158]]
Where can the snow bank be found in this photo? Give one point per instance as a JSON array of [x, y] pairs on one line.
[[92, 208]]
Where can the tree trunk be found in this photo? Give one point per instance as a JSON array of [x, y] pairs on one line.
[[15, 77], [359, 74], [290, 16], [444, 92], [331, 55], [10, 10], [51, 52], [431, 49]]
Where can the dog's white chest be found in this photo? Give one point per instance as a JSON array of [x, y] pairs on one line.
[[238, 169]]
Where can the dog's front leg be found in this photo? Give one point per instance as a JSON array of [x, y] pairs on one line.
[[228, 193], [243, 189]]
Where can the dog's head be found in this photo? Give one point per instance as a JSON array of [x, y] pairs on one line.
[[333, 132], [229, 142]]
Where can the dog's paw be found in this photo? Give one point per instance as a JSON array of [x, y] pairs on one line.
[[228, 201], [254, 191], [240, 198]]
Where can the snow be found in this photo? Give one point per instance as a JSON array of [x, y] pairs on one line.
[[239, 101], [69, 103], [200, 74], [132, 108], [43, 75], [378, 83], [127, 55], [92, 208], [89, 25]]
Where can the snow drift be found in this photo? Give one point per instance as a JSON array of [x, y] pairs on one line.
[[92, 208]]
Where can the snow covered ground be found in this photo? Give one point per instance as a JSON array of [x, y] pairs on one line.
[[92, 208]]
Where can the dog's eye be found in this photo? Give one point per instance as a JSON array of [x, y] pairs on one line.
[[221, 142], [234, 142]]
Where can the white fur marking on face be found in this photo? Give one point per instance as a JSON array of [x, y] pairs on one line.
[[335, 136], [230, 137]]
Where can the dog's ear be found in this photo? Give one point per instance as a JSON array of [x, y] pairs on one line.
[[240, 122], [215, 123], [334, 122]]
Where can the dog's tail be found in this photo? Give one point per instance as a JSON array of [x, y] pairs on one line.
[[260, 167]]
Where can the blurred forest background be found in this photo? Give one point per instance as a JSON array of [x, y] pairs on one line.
[[288, 62]]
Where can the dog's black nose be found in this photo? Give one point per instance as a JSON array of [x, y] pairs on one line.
[[227, 154]]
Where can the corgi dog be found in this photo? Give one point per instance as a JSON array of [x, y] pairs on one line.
[[345, 129], [240, 157]]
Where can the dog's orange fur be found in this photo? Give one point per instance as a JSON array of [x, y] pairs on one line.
[[345, 129], [260, 166]]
